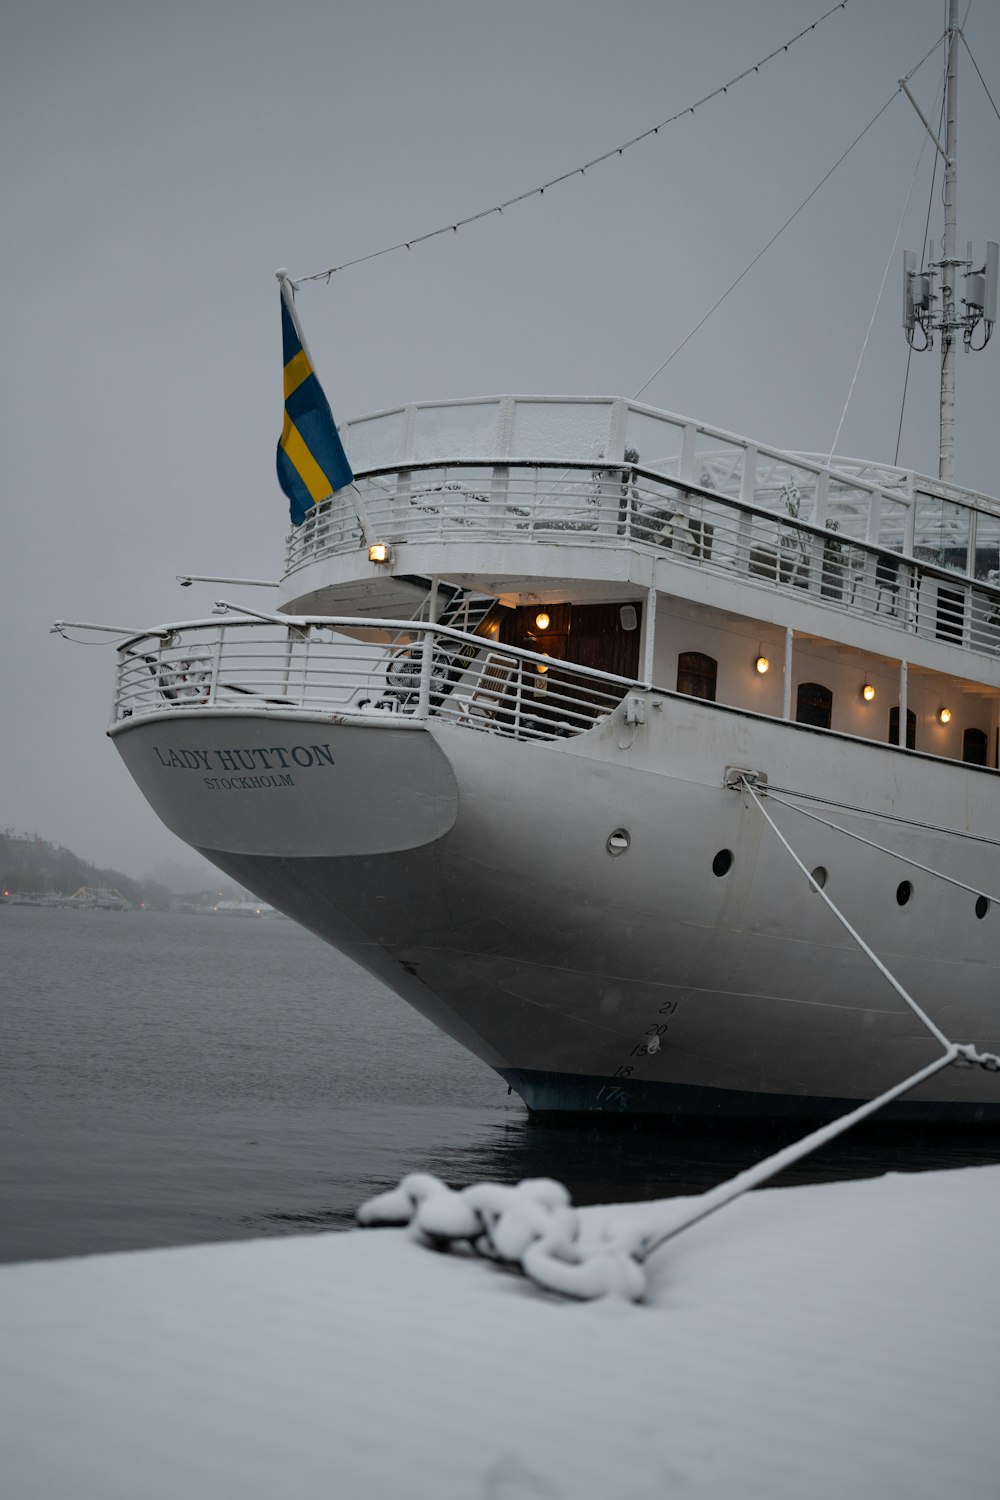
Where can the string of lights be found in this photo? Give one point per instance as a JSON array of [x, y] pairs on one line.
[[581, 171]]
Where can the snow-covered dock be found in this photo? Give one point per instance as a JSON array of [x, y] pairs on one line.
[[838, 1340]]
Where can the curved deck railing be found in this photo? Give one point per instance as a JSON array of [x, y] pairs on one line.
[[585, 505], [896, 509], [381, 669]]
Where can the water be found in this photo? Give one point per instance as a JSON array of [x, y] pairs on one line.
[[169, 1079]]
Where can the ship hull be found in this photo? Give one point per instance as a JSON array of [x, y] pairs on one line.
[[473, 874]]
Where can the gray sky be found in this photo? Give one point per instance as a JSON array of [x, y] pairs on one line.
[[161, 161]]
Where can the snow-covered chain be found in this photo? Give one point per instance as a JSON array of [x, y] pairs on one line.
[[531, 1226]]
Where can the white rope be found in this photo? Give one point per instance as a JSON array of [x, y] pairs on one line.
[[754, 1176], [921, 823], [866, 950], [533, 1227], [953, 1052], [904, 859], [453, 228]]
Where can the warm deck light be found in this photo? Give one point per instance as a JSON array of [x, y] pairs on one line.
[[868, 692], [542, 621], [762, 664], [944, 715], [379, 552]]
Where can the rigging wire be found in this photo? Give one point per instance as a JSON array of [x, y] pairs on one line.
[[453, 228], [982, 80], [878, 303], [909, 348], [76, 641], [762, 252]]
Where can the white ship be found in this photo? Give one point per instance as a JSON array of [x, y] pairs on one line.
[[542, 688]]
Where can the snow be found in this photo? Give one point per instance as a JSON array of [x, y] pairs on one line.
[[829, 1341]]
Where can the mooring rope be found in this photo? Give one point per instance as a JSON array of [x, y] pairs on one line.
[[883, 817], [533, 1228], [903, 858], [852, 932]]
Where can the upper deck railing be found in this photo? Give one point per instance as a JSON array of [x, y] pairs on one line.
[[888, 507], [909, 557]]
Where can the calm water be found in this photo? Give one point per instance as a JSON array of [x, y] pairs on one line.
[[171, 1079]]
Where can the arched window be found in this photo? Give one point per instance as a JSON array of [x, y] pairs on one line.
[[696, 675], [814, 705], [974, 747], [911, 728]]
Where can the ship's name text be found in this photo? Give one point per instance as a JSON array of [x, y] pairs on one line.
[[276, 758]]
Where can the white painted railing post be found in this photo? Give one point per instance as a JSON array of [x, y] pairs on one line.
[[518, 695], [650, 635], [217, 662], [426, 667], [786, 696]]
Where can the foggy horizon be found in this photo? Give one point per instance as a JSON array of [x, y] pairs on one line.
[[161, 164]]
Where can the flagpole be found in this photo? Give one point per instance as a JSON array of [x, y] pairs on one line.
[[287, 286], [288, 296]]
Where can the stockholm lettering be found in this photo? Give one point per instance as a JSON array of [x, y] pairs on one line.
[[245, 783]]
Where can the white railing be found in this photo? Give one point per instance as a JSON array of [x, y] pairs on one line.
[[626, 508], [878, 503], [380, 669]]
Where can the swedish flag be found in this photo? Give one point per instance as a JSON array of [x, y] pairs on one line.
[[311, 458]]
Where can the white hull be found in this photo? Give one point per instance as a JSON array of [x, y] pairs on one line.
[[485, 747], [471, 872]]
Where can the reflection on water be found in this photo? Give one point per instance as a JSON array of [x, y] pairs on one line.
[[656, 1160], [172, 1080]]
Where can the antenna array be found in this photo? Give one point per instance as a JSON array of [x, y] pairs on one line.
[[924, 308]]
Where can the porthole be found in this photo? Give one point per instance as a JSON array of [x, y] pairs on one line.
[[722, 863], [819, 876], [982, 907], [619, 841], [904, 891]]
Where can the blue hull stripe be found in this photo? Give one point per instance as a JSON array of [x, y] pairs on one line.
[[576, 1094]]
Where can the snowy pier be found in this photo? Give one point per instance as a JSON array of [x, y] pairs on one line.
[[826, 1341]]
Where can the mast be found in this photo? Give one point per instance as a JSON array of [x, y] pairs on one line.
[[949, 324], [952, 313]]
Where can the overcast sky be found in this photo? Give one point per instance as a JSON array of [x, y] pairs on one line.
[[160, 161]]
